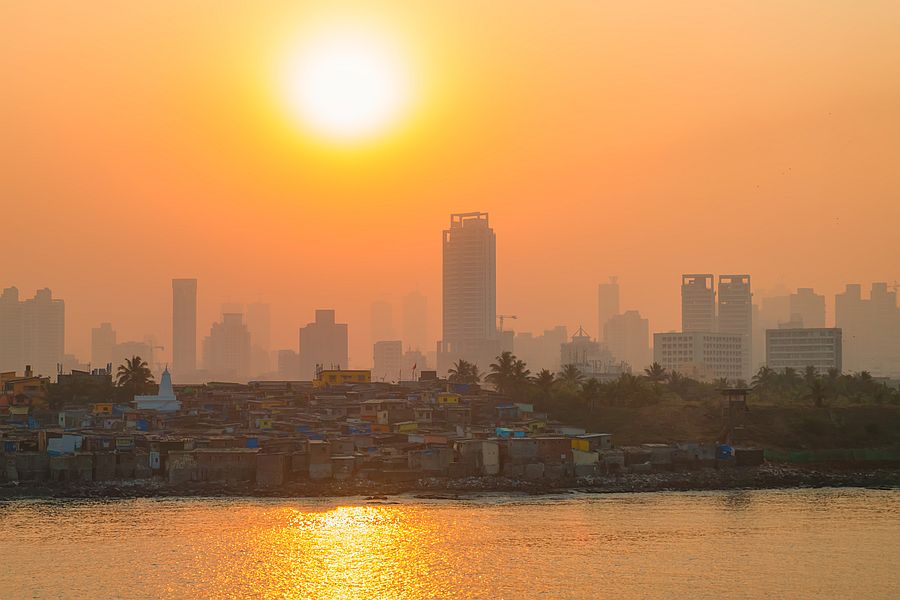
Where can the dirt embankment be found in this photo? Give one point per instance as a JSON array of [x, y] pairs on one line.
[[797, 427]]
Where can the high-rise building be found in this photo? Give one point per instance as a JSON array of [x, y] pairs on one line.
[[415, 321], [288, 365], [736, 314], [469, 292], [12, 332], [541, 351], [44, 326], [323, 344], [382, 321], [871, 329], [184, 326], [628, 338], [698, 303], [226, 351], [809, 307], [103, 340], [797, 349], [259, 323], [607, 304], [388, 360]]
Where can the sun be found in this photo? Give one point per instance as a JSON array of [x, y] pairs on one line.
[[347, 84]]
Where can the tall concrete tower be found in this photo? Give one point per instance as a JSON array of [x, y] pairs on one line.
[[698, 303], [607, 304], [736, 313], [469, 292], [184, 326]]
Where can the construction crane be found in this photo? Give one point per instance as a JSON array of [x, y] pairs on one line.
[[501, 317]]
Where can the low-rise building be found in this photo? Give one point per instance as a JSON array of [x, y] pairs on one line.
[[701, 354], [819, 347]]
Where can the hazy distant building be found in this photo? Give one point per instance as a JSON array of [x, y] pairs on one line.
[[259, 324], [414, 362], [809, 306], [415, 322], [871, 329], [324, 344], [44, 326], [736, 313], [607, 304], [797, 349], [591, 357], [12, 332], [698, 303], [71, 363], [226, 350], [123, 351], [469, 292], [627, 336], [770, 312], [702, 355], [184, 326], [288, 365], [388, 360], [103, 340], [382, 321], [542, 351]]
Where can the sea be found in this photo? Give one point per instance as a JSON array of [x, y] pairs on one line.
[[801, 543]]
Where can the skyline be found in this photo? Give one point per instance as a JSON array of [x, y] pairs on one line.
[[761, 321]]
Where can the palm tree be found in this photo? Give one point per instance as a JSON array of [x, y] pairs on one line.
[[464, 372], [502, 372], [817, 392], [764, 378], [590, 392], [544, 381], [571, 376], [134, 377], [656, 373], [810, 374]]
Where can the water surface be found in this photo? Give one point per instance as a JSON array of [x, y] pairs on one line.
[[789, 544]]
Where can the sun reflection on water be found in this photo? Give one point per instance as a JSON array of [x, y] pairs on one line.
[[345, 552]]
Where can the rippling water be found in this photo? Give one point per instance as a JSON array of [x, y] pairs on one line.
[[802, 543]]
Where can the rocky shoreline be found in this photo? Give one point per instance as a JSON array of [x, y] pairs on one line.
[[742, 478]]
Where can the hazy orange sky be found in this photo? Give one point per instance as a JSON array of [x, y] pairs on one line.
[[141, 141]]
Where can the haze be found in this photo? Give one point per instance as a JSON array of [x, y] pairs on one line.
[[142, 142]]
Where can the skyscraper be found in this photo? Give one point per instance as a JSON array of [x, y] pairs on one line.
[[736, 313], [323, 343], [44, 327], [103, 340], [259, 323], [698, 303], [184, 326], [388, 360], [226, 351], [628, 338], [469, 291], [809, 306], [12, 332], [415, 321], [607, 304], [871, 329]]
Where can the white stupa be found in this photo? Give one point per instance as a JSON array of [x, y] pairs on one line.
[[164, 401]]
